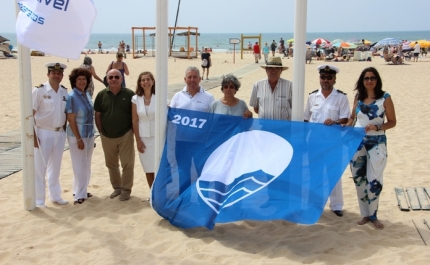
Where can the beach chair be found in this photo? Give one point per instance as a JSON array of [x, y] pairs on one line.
[[2, 55]]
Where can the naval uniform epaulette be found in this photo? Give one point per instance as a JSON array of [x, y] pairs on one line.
[[63, 87], [340, 91], [39, 86], [315, 91]]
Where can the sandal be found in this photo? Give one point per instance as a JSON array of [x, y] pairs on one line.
[[88, 195], [79, 201]]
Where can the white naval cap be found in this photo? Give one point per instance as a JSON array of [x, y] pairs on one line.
[[328, 69], [56, 66]]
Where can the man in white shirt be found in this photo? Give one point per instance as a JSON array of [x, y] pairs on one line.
[[192, 97], [329, 106], [49, 105], [417, 51]]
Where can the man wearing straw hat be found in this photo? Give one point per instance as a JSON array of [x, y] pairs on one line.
[[49, 105], [271, 97]]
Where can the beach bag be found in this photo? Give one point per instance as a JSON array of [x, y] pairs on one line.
[[204, 62], [105, 81]]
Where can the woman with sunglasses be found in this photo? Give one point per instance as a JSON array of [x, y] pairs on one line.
[[120, 66], [374, 112], [229, 104]]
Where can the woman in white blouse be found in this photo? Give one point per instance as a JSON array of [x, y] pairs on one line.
[[143, 111]]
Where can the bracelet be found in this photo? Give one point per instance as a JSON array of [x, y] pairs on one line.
[[80, 139]]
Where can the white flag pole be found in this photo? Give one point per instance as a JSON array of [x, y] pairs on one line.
[[299, 60], [161, 76], [27, 123]]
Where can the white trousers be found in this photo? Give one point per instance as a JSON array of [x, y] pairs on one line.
[[81, 164], [47, 162], [336, 197]]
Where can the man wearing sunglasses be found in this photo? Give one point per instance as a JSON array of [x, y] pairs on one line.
[[114, 123], [329, 106]]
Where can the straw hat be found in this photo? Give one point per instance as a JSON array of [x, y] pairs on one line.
[[274, 62]]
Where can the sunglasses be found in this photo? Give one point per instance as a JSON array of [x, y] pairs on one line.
[[372, 78], [230, 86], [326, 77], [113, 76]]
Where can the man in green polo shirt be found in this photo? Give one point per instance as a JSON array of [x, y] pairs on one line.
[[114, 122]]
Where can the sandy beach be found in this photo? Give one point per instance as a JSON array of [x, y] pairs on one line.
[[109, 231]]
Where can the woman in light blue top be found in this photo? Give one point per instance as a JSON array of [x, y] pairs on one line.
[[80, 132], [229, 104]]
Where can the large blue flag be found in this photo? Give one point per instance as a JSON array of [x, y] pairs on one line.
[[219, 169]]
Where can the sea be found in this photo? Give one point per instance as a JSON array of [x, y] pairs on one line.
[[220, 42]]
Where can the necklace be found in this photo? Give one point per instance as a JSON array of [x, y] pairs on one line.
[[146, 100]]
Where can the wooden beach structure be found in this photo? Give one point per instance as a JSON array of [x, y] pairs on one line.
[[187, 52]]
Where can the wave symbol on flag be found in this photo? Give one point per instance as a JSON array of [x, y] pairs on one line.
[[241, 166]]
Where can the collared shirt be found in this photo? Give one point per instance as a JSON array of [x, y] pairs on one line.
[[199, 102], [115, 111], [81, 105], [272, 104], [49, 105], [320, 108]]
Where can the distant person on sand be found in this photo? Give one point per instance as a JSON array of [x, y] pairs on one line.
[[88, 65], [206, 63], [329, 106], [266, 51], [273, 47], [271, 97], [120, 66], [372, 106], [229, 104], [49, 106], [192, 97], [257, 52], [100, 47], [417, 51], [113, 113]]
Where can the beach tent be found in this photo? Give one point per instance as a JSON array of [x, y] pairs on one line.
[[3, 39], [422, 43]]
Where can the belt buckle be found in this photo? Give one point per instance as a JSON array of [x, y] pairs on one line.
[[57, 129]]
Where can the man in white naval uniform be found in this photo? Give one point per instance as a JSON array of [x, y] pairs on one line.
[[49, 104], [329, 106]]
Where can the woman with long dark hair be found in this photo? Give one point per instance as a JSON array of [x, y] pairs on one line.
[[374, 112]]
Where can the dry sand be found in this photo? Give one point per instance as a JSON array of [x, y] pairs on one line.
[[108, 231]]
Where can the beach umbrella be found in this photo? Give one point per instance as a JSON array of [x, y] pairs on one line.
[[422, 43], [3, 39], [354, 40], [336, 41], [320, 41], [341, 44], [367, 42], [290, 40], [388, 41]]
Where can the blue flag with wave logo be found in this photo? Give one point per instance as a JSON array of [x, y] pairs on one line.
[[220, 169]]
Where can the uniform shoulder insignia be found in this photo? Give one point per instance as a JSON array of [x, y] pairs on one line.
[[41, 85], [63, 87], [315, 91], [340, 91]]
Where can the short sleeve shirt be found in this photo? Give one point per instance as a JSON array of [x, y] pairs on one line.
[[81, 104], [334, 107], [49, 105], [272, 104], [115, 111], [199, 102]]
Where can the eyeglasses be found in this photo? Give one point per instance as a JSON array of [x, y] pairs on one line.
[[369, 79], [230, 87], [113, 76], [326, 77]]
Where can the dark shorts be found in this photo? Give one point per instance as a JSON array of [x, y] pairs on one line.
[[416, 54]]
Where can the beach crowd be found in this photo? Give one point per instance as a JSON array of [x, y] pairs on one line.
[[125, 118]]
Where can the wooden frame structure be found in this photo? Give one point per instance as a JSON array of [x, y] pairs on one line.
[[188, 53], [243, 43]]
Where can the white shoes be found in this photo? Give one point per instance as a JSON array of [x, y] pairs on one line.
[[61, 202], [40, 205]]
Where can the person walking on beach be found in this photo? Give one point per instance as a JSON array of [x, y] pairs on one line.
[[120, 66], [100, 47], [273, 47], [257, 52], [49, 104], [206, 63], [191, 97], [372, 106], [271, 97], [88, 64], [114, 122], [266, 51], [417, 51], [329, 106]]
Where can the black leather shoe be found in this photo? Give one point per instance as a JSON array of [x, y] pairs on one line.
[[338, 213]]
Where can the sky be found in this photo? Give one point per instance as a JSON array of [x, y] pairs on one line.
[[249, 16]]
